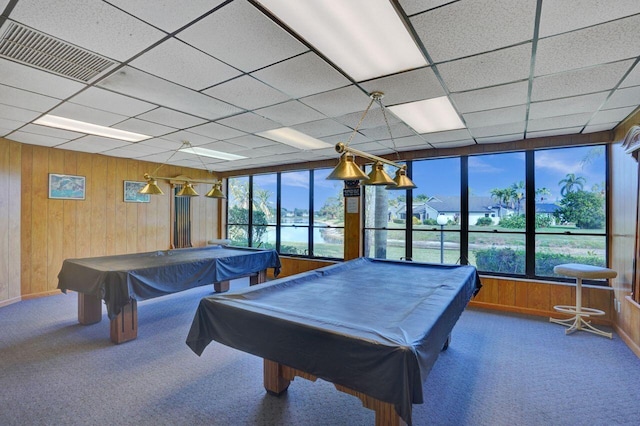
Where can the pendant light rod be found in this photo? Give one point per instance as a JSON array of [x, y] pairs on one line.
[[341, 148], [147, 176]]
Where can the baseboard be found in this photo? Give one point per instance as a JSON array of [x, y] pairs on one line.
[[11, 301], [43, 294], [530, 311], [628, 340]]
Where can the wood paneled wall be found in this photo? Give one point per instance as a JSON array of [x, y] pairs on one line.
[[624, 196], [292, 266], [10, 189], [102, 224]]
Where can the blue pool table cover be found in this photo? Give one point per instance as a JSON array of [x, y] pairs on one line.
[[140, 276], [374, 326]]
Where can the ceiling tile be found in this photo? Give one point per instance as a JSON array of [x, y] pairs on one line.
[[86, 114], [194, 139], [374, 118], [611, 115], [171, 118], [633, 79], [564, 106], [10, 124], [559, 122], [489, 69], [500, 139], [187, 66], [257, 41], [132, 82], [578, 82], [144, 127], [93, 144], [302, 75], [17, 114], [405, 143], [559, 16], [224, 147], [466, 28], [604, 43], [398, 130], [250, 141], [290, 113], [629, 96], [600, 127], [356, 138], [51, 131], [125, 152], [35, 139], [491, 97], [499, 130], [92, 24], [338, 102], [554, 132], [247, 92], [249, 122], [108, 101], [492, 117], [412, 7], [406, 87], [27, 100], [216, 131], [161, 143], [454, 144], [168, 15], [33, 80], [448, 136]]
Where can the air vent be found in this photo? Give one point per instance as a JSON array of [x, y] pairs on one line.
[[38, 50]]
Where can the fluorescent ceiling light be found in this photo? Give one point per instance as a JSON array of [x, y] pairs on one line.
[[366, 38], [294, 138], [431, 115], [91, 129], [212, 153]]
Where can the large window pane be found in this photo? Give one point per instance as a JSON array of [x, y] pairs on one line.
[[265, 192], [328, 216], [238, 211], [497, 205], [435, 201], [294, 213], [385, 244], [555, 249]]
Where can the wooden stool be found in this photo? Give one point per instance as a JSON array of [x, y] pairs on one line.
[[577, 322]]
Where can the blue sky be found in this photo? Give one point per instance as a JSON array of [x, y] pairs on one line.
[[442, 176]]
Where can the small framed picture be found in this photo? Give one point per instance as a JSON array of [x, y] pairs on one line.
[[132, 192], [66, 187]]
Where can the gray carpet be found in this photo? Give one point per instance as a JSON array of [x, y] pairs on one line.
[[499, 370]]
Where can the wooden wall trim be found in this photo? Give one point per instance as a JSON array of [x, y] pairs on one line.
[[8, 302]]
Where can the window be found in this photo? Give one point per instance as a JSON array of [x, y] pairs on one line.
[[436, 200], [264, 217], [496, 186], [238, 211], [570, 199], [294, 213], [328, 216], [182, 220]]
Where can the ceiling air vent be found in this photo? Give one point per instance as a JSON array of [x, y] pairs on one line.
[[38, 50]]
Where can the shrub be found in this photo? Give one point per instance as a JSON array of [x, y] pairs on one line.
[[513, 222], [484, 221], [429, 222], [398, 220]]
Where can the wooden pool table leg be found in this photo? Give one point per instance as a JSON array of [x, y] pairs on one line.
[[89, 309], [258, 278], [221, 287], [124, 327], [277, 378]]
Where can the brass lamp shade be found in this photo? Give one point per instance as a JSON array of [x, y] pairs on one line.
[[151, 188], [347, 169], [378, 176], [215, 192], [402, 181], [187, 191]]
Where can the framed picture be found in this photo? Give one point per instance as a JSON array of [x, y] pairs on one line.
[[131, 192], [66, 187]]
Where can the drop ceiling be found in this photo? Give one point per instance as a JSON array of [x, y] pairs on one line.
[[218, 73]]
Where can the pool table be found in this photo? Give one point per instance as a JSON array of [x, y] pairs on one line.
[[123, 280], [372, 327]]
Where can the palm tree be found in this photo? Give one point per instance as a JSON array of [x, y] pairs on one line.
[[570, 182], [542, 192], [518, 190]]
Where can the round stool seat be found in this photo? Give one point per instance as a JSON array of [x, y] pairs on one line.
[[588, 272]]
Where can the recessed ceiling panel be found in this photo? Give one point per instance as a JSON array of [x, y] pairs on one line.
[[10, 124], [168, 15], [554, 132], [467, 28], [406, 87], [564, 106], [108, 101], [51, 131], [633, 78], [302, 76], [322, 128], [506, 115], [18, 114], [489, 69], [86, 114], [579, 82], [249, 122], [93, 144], [629, 96], [412, 7], [246, 92], [35, 139], [382, 132], [454, 144], [33, 80], [171, 118], [491, 97], [559, 16], [290, 113], [27, 100], [194, 139], [609, 42], [611, 115], [600, 127], [500, 139], [180, 63], [216, 131], [499, 130], [374, 118], [224, 147], [132, 82], [560, 122], [257, 41], [338, 102], [250, 141], [144, 127], [92, 24], [448, 136]]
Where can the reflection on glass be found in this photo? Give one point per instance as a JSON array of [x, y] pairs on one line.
[[503, 253]]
